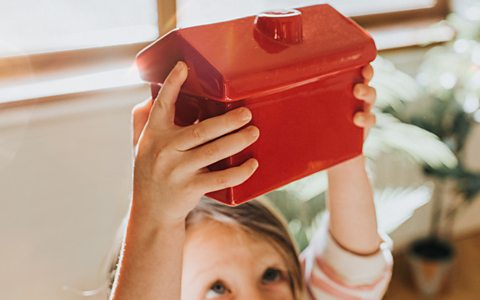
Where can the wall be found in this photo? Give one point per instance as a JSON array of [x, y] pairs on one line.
[[64, 186]]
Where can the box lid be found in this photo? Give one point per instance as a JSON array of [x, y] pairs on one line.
[[259, 55]]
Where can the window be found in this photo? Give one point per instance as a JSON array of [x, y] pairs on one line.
[[66, 42], [55, 47], [195, 12], [36, 26]]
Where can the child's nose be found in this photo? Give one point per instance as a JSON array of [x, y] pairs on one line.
[[254, 297], [253, 293]]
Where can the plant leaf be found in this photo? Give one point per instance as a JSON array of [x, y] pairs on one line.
[[396, 205], [423, 146]]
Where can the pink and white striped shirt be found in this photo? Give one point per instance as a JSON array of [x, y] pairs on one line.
[[331, 272]]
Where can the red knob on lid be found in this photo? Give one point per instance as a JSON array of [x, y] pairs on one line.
[[281, 25]]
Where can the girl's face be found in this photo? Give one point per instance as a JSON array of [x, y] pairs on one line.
[[223, 262]]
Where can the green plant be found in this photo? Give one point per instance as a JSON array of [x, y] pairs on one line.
[[449, 78]]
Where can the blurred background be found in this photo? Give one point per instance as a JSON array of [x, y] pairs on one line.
[[68, 84]]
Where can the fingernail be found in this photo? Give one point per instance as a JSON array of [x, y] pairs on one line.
[[180, 66], [245, 114], [254, 131], [359, 91], [359, 120], [255, 164]]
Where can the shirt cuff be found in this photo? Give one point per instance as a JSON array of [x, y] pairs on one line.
[[350, 268]]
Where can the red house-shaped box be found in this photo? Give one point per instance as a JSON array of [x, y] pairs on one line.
[[294, 69]]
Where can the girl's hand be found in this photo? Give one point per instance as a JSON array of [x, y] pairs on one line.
[[170, 172], [362, 91]]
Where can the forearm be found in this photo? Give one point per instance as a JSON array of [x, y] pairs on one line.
[[353, 221], [151, 264]]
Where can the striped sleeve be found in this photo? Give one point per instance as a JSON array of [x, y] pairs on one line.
[[332, 272]]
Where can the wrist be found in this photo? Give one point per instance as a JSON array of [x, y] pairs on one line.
[[351, 166], [145, 232], [150, 217]]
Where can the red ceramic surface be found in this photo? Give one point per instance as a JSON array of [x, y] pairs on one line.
[[294, 69]]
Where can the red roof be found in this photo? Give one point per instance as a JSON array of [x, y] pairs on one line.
[[230, 61]]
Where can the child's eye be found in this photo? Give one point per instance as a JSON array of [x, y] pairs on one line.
[[217, 289], [271, 275]]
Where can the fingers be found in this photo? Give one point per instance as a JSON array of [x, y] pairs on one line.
[[219, 180], [140, 115], [364, 119], [368, 73], [222, 148], [208, 130], [366, 93], [163, 111]]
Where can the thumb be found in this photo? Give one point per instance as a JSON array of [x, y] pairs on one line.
[[163, 111]]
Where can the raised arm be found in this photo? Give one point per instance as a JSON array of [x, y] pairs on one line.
[[170, 176], [347, 258], [353, 222]]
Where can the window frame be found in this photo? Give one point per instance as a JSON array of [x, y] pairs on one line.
[[440, 10]]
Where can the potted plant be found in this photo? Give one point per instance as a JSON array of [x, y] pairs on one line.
[[449, 107]]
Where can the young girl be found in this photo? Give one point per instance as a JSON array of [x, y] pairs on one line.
[[178, 247]]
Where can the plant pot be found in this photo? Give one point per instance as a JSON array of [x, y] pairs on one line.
[[431, 260]]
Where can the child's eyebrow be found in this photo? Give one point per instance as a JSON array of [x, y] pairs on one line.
[[208, 269], [271, 260]]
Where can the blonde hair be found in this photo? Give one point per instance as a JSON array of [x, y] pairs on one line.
[[258, 218]]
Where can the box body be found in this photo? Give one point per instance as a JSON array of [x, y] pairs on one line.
[[300, 90], [302, 131]]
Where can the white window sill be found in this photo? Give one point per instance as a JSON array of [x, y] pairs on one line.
[[118, 78]]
